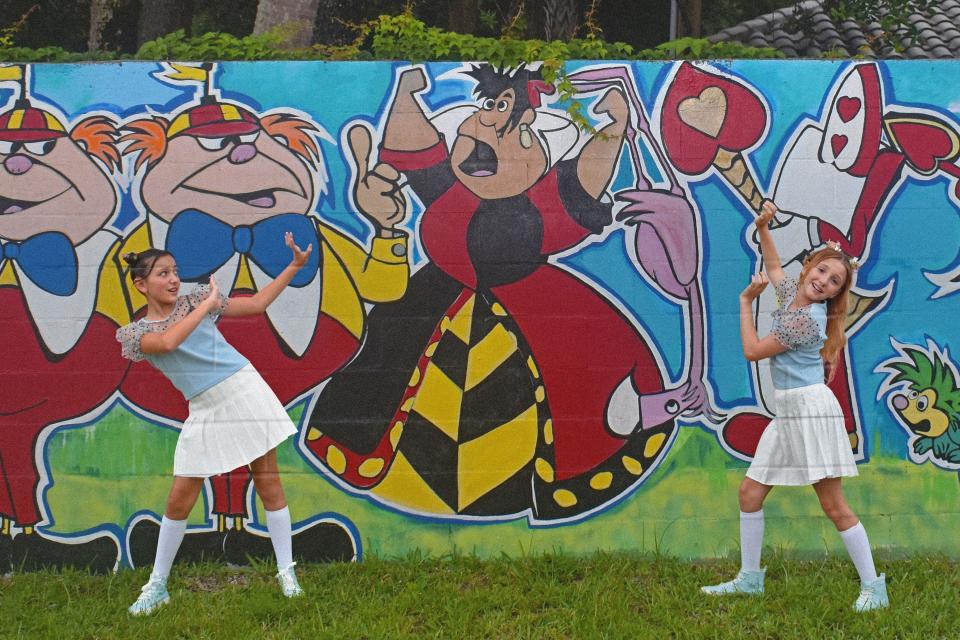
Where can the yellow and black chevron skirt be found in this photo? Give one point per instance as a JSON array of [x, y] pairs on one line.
[[470, 431]]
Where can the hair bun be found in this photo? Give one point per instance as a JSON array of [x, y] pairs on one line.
[[131, 258]]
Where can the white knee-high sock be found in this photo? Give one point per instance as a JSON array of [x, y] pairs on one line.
[[278, 525], [751, 540], [171, 535], [858, 546]]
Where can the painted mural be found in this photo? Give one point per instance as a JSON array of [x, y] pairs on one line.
[[514, 334]]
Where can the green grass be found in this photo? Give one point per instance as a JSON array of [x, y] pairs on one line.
[[618, 595]]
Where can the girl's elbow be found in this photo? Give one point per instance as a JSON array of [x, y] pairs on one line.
[[752, 355], [166, 346], [251, 306], [157, 347]]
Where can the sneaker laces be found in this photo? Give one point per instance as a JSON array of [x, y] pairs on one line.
[[867, 594], [153, 584], [288, 578]]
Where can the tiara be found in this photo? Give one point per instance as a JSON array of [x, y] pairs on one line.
[[853, 261]]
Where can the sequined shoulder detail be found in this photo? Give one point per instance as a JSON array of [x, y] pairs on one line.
[[129, 338], [200, 293], [786, 291], [795, 328], [129, 335]]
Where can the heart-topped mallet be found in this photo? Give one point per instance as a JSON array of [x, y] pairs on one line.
[[709, 120]]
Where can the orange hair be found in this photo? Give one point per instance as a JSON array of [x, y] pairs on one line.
[[295, 132], [99, 135], [836, 306], [148, 137]]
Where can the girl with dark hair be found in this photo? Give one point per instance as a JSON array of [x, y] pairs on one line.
[[235, 418], [806, 443]]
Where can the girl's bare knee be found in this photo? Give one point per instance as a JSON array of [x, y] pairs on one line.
[[178, 508], [270, 491], [751, 495], [840, 514], [183, 495]]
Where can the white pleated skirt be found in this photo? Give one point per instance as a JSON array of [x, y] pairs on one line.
[[230, 425], [806, 441]]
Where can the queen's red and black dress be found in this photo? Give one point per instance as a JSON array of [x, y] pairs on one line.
[[483, 391]]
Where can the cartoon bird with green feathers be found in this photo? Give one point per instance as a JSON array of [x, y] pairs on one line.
[[924, 388]]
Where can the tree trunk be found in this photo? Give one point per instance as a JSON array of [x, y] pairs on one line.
[[463, 16], [560, 19], [296, 17], [691, 19], [160, 17], [100, 12]]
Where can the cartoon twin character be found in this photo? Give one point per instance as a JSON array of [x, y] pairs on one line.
[[58, 265], [221, 186]]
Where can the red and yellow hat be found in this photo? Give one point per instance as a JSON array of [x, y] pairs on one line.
[[26, 123], [213, 119]]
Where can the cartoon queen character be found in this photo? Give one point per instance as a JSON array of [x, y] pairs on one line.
[[500, 384]]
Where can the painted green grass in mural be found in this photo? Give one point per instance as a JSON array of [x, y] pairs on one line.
[[686, 508], [617, 595]]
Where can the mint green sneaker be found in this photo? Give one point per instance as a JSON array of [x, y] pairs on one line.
[[288, 582], [873, 595], [748, 582], [153, 595]]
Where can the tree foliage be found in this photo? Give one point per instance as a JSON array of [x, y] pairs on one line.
[[890, 20], [400, 37]]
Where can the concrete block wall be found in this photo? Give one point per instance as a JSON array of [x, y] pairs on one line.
[[514, 335]]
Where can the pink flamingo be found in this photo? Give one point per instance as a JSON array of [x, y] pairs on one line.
[[667, 248]]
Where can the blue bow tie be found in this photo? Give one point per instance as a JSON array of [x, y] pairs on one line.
[[201, 244], [48, 259]]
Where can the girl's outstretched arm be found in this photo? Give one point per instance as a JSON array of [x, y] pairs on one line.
[[259, 302], [771, 259], [753, 347], [166, 341]]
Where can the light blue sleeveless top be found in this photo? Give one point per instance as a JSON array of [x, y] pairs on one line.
[[803, 331], [201, 361]]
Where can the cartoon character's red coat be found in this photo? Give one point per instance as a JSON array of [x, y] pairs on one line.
[[46, 389]]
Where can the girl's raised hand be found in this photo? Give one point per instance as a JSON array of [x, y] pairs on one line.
[[757, 284], [766, 214], [299, 256], [213, 297]]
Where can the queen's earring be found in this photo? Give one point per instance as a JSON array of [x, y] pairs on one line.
[[526, 136]]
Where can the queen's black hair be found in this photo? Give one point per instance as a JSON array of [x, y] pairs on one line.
[[491, 82]]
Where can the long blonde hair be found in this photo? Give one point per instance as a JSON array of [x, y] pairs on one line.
[[836, 306]]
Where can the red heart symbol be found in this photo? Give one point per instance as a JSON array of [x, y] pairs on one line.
[[925, 140], [690, 144], [837, 143], [848, 107]]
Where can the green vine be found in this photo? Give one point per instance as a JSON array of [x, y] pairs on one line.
[[403, 37], [400, 37]]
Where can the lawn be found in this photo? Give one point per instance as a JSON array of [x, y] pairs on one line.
[[609, 595]]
